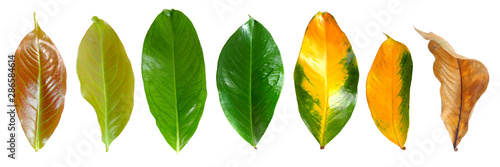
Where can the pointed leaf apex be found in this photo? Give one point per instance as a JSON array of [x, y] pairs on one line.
[[321, 147], [388, 37], [34, 17], [403, 148], [95, 19], [423, 34], [37, 27], [251, 19]]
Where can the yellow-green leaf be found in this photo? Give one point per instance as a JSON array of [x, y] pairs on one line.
[[388, 90], [106, 78]]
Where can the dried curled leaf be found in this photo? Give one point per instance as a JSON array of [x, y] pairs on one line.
[[463, 81], [388, 90], [40, 86]]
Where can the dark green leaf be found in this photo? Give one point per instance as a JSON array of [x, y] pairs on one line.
[[249, 79]]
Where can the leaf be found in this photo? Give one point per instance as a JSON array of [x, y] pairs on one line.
[[173, 71], [249, 79], [326, 78], [463, 81], [40, 86], [106, 78], [388, 90]]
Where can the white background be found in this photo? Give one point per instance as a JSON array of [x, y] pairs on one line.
[[471, 28]]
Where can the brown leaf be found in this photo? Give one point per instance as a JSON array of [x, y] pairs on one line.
[[463, 81], [40, 86]]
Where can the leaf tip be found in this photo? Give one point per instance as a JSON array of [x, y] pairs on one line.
[[403, 148], [95, 19], [255, 147], [322, 13], [168, 12], [388, 37], [251, 19], [107, 147], [37, 27], [321, 147], [456, 149], [423, 34]]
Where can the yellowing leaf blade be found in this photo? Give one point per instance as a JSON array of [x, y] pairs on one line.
[[388, 90], [326, 77], [106, 78]]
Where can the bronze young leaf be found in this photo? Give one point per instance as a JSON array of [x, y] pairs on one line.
[[40, 86]]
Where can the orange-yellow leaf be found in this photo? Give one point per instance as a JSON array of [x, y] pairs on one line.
[[388, 90]]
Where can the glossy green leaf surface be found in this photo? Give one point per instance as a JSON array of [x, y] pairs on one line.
[[173, 71], [249, 79], [106, 78]]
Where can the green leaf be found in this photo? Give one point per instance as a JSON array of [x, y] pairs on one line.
[[106, 78], [173, 71], [249, 79]]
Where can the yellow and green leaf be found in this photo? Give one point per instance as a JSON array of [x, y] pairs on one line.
[[326, 78], [388, 90]]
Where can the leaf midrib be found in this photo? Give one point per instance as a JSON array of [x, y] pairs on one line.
[[172, 34], [251, 26], [392, 99], [326, 107], [106, 126], [460, 107], [38, 114]]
